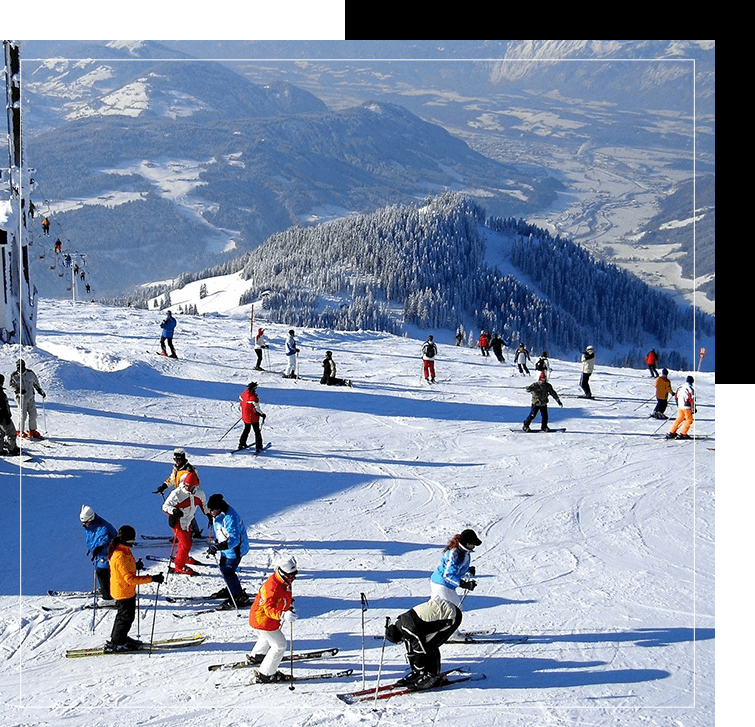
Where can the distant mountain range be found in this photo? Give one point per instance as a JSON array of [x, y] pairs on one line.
[[152, 163]]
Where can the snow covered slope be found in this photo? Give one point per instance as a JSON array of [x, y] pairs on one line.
[[597, 542]]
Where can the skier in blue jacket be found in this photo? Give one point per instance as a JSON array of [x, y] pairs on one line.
[[168, 326], [232, 542], [98, 533], [454, 570]]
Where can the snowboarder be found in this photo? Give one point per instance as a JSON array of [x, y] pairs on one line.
[[521, 357], [652, 360], [24, 383], [329, 372], [272, 609], [8, 443], [662, 391], [686, 408], [540, 391], [181, 505], [588, 365], [232, 543], [123, 583], [423, 630], [251, 415], [454, 570], [98, 533], [497, 345], [168, 326], [484, 343], [544, 364], [292, 358], [260, 343], [429, 351]]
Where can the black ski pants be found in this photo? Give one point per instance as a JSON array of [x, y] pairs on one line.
[[124, 620]]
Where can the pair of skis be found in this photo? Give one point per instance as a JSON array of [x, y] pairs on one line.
[[179, 642], [397, 689]]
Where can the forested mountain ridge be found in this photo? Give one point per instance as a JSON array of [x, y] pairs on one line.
[[425, 266]]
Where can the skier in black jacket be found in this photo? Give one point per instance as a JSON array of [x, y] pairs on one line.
[[540, 391], [7, 428]]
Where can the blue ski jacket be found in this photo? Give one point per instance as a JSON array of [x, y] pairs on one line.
[[230, 528], [453, 566], [168, 326], [98, 535]]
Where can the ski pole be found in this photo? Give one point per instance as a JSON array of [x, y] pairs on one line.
[[645, 402], [365, 605], [663, 423], [229, 430], [382, 653], [291, 663], [94, 596]]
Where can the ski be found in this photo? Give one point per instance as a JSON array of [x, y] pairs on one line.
[[690, 438], [82, 607], [537, 431], [492, 639], [181, 599], [394, 689], [71, 594], [160, 559], [179, 642], [288, 680], [296, 657], [168, 538], [465, 635], [249, 446]]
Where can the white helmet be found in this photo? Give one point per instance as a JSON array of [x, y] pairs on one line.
[[287, 564], [87, 514]]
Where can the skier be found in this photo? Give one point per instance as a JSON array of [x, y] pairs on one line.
[[292, 361], [181, 505], [484, 343], [424, 629], [544, 364], [588, 365], [686, 407], [181, 466], [521, 357], [46, 226], [429, 351], [58, 246], [232, 543], [98, 533], [497, 345], [662, 390], [251, 415], [651, 360], [454, 567], [329, 372], [8, 443], [123, 583], [168, 326], [459, 335], [260, 342], [272, 609], [540, 391], [24, 383]]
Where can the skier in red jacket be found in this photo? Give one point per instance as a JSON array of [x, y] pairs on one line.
[[251, 415]]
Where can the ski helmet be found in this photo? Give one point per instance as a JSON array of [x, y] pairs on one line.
[[87, 514], [690, 380], [179, 453], [252, 385], [216, 502], [286, 566], [126, 535], [21, 365], [468, 539], [543, 376]]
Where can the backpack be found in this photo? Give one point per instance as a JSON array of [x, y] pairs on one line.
[[429, 349], [540, 365]]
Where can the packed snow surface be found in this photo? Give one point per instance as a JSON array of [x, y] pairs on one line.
[[597, 542]]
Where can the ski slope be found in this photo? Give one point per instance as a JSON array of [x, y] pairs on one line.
[[598, 543]]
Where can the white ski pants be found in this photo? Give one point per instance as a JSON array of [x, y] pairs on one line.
[[273, 645]]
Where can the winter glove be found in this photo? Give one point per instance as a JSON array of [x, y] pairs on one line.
[[468, 585], [160, 490], [139, 564], [158, 578], [560, 403], [289, 616], [472, 571]]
